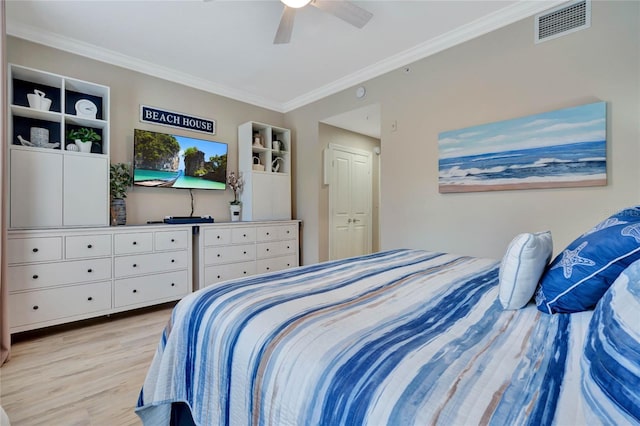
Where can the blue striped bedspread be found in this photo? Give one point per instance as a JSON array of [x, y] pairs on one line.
[[402, 337]]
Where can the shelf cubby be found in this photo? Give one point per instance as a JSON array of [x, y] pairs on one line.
[[58, 181], [267, 193]]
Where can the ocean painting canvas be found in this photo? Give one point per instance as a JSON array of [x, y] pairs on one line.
[[562, 148]]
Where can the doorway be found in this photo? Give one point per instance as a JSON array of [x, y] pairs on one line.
[[357, 133], [350, 190]]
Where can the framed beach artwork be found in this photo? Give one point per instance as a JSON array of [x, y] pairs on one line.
[[563, 148]]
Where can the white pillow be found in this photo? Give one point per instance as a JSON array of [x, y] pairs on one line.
[[522, 266]]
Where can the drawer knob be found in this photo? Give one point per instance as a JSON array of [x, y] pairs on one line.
[[267, 233], [35, 277], [244, 272], [173, 261], [135, 242], [244, 235], [173, 240], [288, 232], [288, 264], [173, 284], [35, 308], [35, 250], [267, 249], [218, 276], [135, 265], [89, 270], [89, 298], [218, 254], [135, 291], [89, 246], [244, 252], [218, 237], [268, 268]]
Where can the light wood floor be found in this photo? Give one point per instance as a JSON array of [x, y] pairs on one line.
[[88, 375]]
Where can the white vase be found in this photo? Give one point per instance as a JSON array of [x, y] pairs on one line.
[[83, 146], [235, 212]]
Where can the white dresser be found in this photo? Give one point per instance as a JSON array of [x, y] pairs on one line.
[[64, 275], [232, 250], [151, 266]]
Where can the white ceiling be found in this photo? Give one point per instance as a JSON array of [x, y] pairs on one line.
[[225, 47]]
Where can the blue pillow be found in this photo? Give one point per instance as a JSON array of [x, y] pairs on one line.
[[578, 277], [611, 358]]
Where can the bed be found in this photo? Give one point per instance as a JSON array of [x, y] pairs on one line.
[[401, 337]]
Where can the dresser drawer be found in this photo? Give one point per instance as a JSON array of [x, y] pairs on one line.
[[217, 273], [243, 235], [27, 277], [267, 233], [40, 249], [288, 232], [149, 288], [276, 248], [80, 246], [139, 242], [288, 247], [62, 302], [151, 263], [227, 254], [276, 263], [172, 240], [214, 237]]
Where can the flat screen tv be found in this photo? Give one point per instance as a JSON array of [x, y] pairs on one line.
[[171, 161]]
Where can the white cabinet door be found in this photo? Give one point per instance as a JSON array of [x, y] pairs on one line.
[[36, 185], [86, 191], [281, 197], [271, 197], [261, 197]]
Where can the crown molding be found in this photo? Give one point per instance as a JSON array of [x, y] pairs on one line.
[[477, 28], [114, 58], [484, 25]]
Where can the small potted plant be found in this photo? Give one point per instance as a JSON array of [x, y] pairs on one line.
[[84, 138], [120, 180], [235, 183]]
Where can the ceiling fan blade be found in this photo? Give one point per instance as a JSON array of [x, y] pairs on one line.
[[283, 35], [347, 11]]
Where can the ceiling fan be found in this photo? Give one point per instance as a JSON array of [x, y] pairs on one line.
[[343, 9]]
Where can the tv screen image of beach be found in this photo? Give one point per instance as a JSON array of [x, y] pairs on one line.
[[172, 161]]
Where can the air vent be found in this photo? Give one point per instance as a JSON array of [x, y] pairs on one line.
[[563, 20]]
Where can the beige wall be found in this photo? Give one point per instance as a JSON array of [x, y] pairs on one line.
[[129, 89], [330, 134], [498, 76]]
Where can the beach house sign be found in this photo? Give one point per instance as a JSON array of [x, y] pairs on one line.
[[175, 119]]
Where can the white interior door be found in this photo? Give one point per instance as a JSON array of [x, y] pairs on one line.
[[350, 189]]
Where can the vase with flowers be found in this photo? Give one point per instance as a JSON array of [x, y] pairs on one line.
[[236, 183]]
